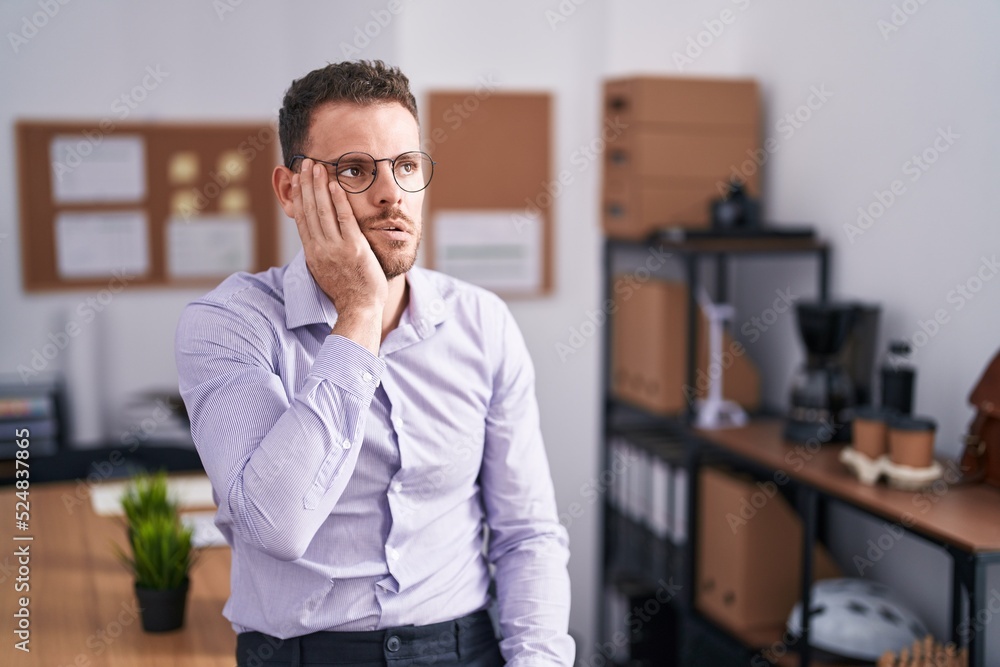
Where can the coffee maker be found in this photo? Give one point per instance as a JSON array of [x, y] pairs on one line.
[[837, 374]]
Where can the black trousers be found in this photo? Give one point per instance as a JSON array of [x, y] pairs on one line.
[[468, 641]]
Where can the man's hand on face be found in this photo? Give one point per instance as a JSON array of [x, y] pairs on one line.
[[338, 255]]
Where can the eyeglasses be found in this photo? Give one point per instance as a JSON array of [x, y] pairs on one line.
[[357, 171]]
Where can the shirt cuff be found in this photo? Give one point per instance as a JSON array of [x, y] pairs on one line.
[[349, 366]]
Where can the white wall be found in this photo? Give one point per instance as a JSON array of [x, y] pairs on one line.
[[890, 96]]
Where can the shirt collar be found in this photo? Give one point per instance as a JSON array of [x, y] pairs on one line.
[[428, 307], [306, 303], [302, 303]]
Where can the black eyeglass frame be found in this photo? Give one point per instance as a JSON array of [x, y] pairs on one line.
[[392, 168]]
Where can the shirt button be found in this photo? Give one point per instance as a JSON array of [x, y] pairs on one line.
[[393, 643], [393, 554], [397, 487], [367, 377]]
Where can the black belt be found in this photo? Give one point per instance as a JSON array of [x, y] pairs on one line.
[[437, 643]]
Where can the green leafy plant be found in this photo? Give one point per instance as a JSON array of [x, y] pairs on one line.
[[146, 496], [161, 548], [162, 553]]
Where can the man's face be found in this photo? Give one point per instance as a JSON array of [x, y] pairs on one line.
[[382, 131]]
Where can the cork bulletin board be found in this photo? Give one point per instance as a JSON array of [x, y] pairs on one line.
[[489, 208], [177, 205]]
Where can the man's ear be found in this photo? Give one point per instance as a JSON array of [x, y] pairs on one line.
[[281, 180]]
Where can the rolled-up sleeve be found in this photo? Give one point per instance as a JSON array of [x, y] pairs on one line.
[[278, 466]]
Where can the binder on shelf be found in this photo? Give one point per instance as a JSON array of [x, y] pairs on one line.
[[616, 630], [660, 519], [34, 408], [635, 484], [680, 506], [621, 497]]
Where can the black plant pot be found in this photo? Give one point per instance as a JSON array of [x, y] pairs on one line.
[[162, 610]]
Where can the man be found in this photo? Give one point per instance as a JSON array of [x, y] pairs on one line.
[[362, 419]]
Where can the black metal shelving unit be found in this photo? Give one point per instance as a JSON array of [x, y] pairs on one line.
[[810, 500], [691, 250]]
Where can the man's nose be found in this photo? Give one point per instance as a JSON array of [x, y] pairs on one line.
[[385, 189]]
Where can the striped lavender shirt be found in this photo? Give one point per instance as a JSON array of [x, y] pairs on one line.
[[354, 489]]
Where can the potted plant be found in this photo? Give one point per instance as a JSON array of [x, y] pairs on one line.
[[161, 553], [147, 495]]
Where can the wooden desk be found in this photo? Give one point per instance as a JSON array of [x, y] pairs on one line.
[[82, 604]]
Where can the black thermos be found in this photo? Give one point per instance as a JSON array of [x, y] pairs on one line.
[[898, 376]]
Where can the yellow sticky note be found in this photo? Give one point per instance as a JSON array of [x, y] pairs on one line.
[[184, 203], [183, 168], [234, 164], [234, 200]]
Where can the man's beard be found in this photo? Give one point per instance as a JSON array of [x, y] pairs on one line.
[[392, 255]]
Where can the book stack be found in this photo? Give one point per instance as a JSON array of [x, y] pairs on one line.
[[32, 408]]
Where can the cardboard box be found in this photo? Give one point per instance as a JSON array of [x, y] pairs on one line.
[[635, 209], [681, 156], [681, 141], [649, 351], [660, 100], [749, 563]]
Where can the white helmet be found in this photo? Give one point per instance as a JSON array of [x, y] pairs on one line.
[[856, 618]]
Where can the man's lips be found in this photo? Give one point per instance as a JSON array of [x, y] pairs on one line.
[[394, 226]]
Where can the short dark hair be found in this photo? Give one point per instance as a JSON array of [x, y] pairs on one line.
[[362, 82]]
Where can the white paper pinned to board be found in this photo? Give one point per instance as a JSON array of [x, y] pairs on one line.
[[499, 250], [98, 169], [209, 246], [102, 244]]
